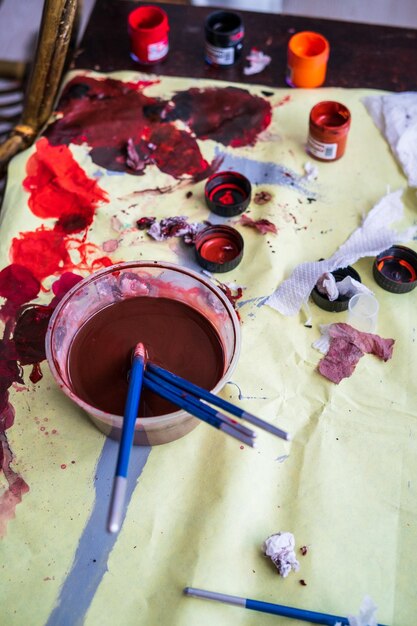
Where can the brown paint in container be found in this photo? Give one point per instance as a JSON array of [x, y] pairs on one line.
[[186, 323]]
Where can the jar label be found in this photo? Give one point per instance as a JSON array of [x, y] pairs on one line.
[[219, 56], [158, 50], [321, 150]]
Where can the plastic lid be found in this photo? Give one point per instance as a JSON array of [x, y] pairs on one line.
[[342, 302], [219, 248], [227, 193], [395, 269]]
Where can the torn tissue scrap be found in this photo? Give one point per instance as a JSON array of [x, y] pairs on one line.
[[168, 227], [280, 549], [258, 62], [345, 346]]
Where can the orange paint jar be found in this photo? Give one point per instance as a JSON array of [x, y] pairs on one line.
[[307, 57], [328, 130]]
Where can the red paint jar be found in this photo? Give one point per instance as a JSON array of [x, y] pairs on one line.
[[148, 30], [328, 130]]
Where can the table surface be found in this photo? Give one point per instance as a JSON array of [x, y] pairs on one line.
[[199, 508], [361, 55]]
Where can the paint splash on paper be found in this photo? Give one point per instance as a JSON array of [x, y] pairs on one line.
[[61, 191], [127, 130]]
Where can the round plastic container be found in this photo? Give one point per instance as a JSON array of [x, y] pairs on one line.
[[148, 31], [129, 280], [328, 130], [307, 56]]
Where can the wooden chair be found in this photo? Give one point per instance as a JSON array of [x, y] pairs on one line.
[[55, 42]]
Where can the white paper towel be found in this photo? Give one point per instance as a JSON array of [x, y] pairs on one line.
[[373, 237]]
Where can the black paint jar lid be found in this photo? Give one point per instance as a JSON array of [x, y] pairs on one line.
[[219, 248], [342, 302], [227, 193], [395, 269], [224, 28]]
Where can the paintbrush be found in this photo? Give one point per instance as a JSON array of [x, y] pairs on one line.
[[207, 396], [313, 617], [126, 441]]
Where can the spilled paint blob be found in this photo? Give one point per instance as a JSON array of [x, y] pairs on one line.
[[23, 343], [144, 130], [59, 188]]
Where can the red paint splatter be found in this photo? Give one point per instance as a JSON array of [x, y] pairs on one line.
[[263, 226], [22, 344], [17, 285], [59, 188], [143, 130], [230, 115], [42, 251]]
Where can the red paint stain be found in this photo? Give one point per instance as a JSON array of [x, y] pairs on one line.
[[22, 344], [143, 129], [263, 226], [63, 466], [42, 251], [59, 188], [230, 115]]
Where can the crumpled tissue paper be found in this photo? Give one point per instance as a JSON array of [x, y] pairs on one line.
[[370, 239], [396, 117]]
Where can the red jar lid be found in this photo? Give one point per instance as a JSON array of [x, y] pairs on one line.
[[227, 193], [219, 248], [395, 269]]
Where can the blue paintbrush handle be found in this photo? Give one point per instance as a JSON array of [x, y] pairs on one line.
[[126, 441], [216, 400], [196, 402], [313, 617], [198, 409], [130, 415]]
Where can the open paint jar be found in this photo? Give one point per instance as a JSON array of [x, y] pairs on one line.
[[186, 323]]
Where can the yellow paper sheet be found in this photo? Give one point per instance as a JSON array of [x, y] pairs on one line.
[[345, 486]]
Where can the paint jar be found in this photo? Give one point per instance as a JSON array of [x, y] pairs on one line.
[[227, 193], [307, 56], [328, 130], [148, 31], [363, 312], [395, 269], [219, 248], [224, 38], [131, 284]]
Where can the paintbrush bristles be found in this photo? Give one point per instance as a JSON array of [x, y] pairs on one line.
[[140, 352]]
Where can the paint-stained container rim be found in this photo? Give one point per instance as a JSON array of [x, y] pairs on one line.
[[219, 248], [227, 193], [142, 277], [342, 302], [395, 269]]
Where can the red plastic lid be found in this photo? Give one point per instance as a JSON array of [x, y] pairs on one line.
[[227, 193], [219, 248]]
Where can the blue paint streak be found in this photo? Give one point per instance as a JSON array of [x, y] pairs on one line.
[[263, 172], [95, 545]]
